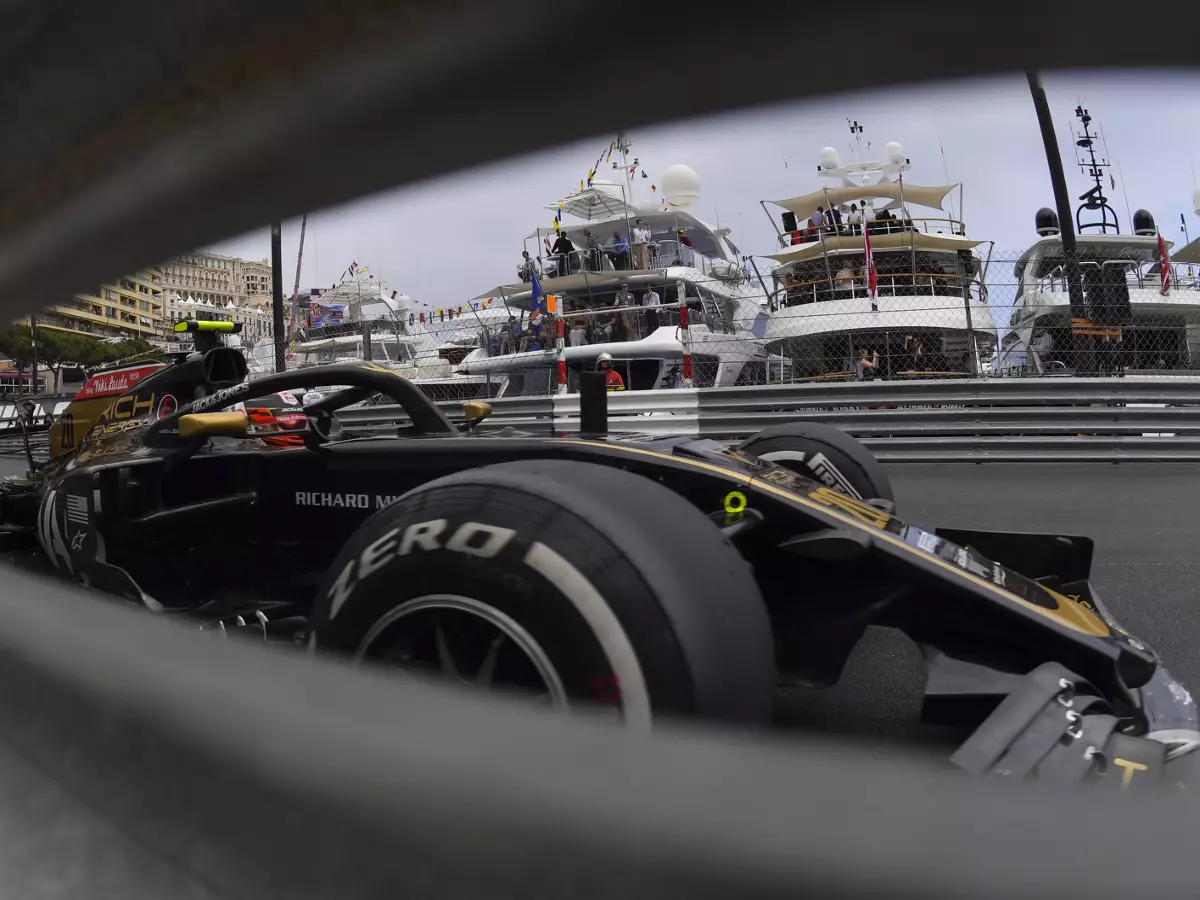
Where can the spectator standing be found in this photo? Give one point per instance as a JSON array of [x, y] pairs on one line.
[[864, 368], [854, 219], [641, 245], [834, 218], [687, 250], [563, 249], [594, 251], [623, 296], [618, 252], [651, 302]]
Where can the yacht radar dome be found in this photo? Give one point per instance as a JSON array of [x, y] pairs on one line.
[[680, 186], [1143, 223], [829, 159], [894, 153], [1046, 222]]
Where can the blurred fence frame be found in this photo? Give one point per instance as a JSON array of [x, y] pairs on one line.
[[274, 777]]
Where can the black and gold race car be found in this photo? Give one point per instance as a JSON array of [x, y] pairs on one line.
[[653, 577]]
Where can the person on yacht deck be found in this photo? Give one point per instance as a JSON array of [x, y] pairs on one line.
[[594, 251], [624, 295], [525, 269], [650, 302], [641, 245], [844, 280], [834, 219], [854, 219], [618, 251], [578, 335], [689, 252], [564, 250]]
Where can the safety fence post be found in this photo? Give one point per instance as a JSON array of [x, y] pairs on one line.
[[687, 345], [560, 343]]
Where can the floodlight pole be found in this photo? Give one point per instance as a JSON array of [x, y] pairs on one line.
[[277, 294], [1066, 226]]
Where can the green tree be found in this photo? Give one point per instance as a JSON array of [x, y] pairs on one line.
[[17, 344]]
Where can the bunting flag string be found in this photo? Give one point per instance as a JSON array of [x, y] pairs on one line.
[[605, 156]]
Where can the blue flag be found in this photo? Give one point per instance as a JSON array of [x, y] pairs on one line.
[[535, 299]]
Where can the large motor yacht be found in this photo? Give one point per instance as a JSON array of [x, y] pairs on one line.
[[1137, 307], [600, 284], [923, 311]]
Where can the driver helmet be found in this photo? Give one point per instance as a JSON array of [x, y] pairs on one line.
[[604, 360]]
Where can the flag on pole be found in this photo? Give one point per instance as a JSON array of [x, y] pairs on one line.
[[872, 278], [1164, 263], [535, 298]]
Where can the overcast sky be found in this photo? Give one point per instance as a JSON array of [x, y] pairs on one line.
[[448, 240]]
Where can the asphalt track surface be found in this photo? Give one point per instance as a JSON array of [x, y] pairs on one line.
[[1144, 518]]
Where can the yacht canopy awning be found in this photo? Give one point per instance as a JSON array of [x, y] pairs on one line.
[[902, 241], [518, 295], [602, 200], [805, 205], [1188, 254]]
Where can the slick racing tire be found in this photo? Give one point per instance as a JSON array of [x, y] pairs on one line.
[[825, 454], [600, 587]]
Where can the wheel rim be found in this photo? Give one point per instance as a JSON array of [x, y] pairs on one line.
[[464, 641]]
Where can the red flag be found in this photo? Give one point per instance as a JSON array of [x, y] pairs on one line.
[[1164, 263], [872, 277], [422, 318]]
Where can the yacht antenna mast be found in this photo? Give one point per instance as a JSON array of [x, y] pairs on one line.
[[627, 168], [857, 131], [1094, 199]]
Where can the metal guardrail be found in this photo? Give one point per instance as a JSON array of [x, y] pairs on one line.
[[1076, 420]]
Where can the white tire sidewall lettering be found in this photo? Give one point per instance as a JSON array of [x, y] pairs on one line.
[[482, 540], [825, 472]]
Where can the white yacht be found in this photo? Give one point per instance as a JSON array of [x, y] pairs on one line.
[[359, 319], [1139, 305], [687, 262], [930, 288]]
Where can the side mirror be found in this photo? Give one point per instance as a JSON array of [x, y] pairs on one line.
[[214, 424], [475, 411]]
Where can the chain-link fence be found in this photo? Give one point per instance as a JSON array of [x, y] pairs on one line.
[[944, 306], [961, 311]]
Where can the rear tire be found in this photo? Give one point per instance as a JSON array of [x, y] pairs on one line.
[[624, 589], [825, 454]]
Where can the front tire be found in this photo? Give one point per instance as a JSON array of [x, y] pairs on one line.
[[585, 584], [825, 454]]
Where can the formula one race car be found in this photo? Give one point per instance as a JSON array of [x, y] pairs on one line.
[[655, 577]]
